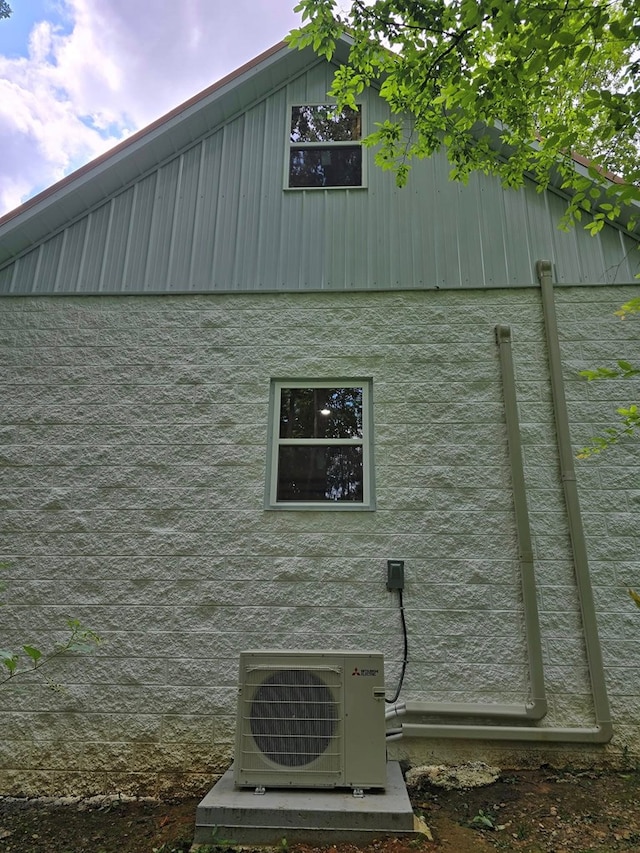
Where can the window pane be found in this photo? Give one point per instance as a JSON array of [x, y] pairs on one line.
[[326, 167], [320, 474], [322, 123], [321, 413]]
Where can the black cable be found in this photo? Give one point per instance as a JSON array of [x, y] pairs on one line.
[[406, 651]]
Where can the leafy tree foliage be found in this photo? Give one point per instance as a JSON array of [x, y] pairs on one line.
[[510, 87], [548, 88], [5, 9], [629, 420]]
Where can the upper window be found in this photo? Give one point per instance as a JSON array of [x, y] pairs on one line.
[[325, 147], [320, 449]]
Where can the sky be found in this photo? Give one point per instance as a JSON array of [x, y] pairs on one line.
[[78, 76]]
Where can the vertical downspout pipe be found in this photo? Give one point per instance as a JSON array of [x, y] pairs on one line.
[[574, 518], [537, 708]]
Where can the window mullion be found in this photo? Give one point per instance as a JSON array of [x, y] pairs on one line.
[[329, 143], [321, 442]]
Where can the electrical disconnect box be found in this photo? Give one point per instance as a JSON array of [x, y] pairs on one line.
[[395, 574]]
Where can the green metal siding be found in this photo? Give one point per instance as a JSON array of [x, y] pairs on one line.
[[216, 218]]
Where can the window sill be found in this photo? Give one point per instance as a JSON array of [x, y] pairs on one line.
[[321, 507], [315, 189]]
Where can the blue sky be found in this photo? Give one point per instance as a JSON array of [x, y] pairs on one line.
[[76, 76], [14, 33]]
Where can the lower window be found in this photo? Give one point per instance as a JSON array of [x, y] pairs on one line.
[[320, 449]]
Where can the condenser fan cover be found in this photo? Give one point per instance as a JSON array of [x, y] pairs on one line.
[[293, 717]]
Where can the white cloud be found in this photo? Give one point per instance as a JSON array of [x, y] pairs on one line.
[[115, 67]]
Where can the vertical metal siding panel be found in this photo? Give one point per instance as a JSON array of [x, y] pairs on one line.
[[183, 229], [11, 280], [396, 217], [446, 222], [250, 199], [396, 229], [312, 86], [299, 234], [95, 249], [297, 91], [337, 243], [164, 206], [112, 277], [311, 247], [129, 239], [617, 252], [410, 208], [631, 249], [60, 264], [51, 251], [421, 211], [24, 273], [379, 212], [417, 231], [403, 271], [81, 284], [566, 250], [6, 278], [520, 260], [197, 211], [139, 234], [491, 222], [471, 201], [541, 236], [295, 226], [590, 256], [204, 235], [356, 266], [225, 273], [268, 251], [69, 273]]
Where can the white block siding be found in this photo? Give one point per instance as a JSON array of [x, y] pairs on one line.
[[132, 467]]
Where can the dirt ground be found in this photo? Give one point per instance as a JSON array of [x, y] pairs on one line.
[[542, 811]]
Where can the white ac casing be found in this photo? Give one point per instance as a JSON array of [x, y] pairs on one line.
[[311, 719]]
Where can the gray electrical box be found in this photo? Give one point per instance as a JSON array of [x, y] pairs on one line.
[[395, 574]]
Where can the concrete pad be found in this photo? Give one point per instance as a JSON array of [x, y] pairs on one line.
[[321, 816]]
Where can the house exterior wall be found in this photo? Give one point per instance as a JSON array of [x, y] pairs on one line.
[[134, 438], [215, 217]]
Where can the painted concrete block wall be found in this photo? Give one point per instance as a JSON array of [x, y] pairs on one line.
[[133, 461], [592, 335]]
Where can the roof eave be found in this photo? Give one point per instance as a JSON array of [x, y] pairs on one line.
[[93, 183]]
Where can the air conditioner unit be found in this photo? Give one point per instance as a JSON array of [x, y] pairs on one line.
[[311, 719]]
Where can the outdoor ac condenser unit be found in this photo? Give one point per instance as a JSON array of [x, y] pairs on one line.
[[311, 719]]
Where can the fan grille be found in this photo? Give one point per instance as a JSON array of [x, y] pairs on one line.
[[293, 717]]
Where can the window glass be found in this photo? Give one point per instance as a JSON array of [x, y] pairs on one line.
[[321, 413], [325, 147], [320, 452], [325, 167], [320, 473], [322, 123]]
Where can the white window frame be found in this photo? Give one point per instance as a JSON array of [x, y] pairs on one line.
[[366, 442], [350, 143]]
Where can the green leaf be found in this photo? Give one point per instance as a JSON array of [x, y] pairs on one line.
[[10, 660], [565, 37], [34, 654]]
